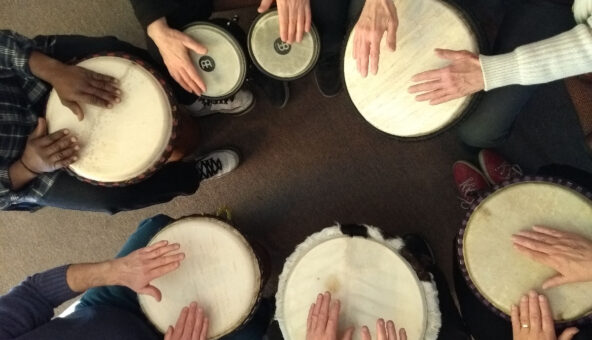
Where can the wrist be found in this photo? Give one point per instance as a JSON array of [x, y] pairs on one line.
[[157, 29], [83, 276], [27, 168]]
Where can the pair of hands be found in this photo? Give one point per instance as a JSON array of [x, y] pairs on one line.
[[463, 76], [323, 323]]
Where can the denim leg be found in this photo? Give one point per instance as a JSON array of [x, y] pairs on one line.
[[119, 296]]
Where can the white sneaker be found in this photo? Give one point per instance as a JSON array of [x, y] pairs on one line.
[[242, 102], [217, 163]]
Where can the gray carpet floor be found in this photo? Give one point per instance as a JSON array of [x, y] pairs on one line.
[[305, 167]]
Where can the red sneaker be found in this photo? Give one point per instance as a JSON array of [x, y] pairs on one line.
[[496, 168], [469, 182]]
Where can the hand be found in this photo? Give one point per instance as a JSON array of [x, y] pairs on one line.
[[533, 320], [462, 77], [384, 332], [377, 17], [569, 254], [294, 15], [47, 153], [323, 320], [191, 325], [174, 47], [137, 269], [76, 85]]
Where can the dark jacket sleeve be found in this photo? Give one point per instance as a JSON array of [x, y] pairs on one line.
[[148, 11], [31, 303]]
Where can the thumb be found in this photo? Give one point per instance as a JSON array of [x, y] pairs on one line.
[[349, 333], [194, 45], [264, 6], [76, 109], [169, 333], [568, 334], [555, 281], [40, 129], [449, 54], [152, 291]]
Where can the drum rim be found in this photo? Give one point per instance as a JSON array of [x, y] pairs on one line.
[[317, 51], [256, 300], [460, 239], [160, 162], [242, 57], [471, 103], [373, 234]]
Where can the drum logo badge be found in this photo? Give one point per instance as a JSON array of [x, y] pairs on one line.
[[207, 64], [281, 47]]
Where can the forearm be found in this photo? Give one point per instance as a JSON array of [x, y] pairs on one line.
[[44, 67], [19, 175], [83, 276]]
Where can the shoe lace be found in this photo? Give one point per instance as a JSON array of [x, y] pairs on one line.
[[466, 203], [508, 171], [209, 167], [468, 187], [210, 102]]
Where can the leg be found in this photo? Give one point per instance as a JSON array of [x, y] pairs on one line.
[[330, 18], [179, 178], [564, 171], [452, 325], [119, 296], [257, 326], [525, 22]]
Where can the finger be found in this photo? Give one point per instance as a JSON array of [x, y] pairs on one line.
[[190, 324], [199, 324], [402, 334], [309, 318], [524, 313], [182, 319], [193, 45], [531, 244], [204, 328], [165, 260], [264, 6], [284, 21], [292, 25], [108, 87], [159, 249], [64, 154], [391, 332], [431, 95], [102, 77], [380, 330], [356, 45], [427, 86], [533, 235], [391, 34], [450, 54], [349, 333], [427, 75], [193, 79], [333, 321], [515, 316], [363, 57], [534, 255], [549, 231], [169, 333], [54, 137], [375, 53], [366, 333], [307, 17], [300, 25], [104, 95], [93, 99], [534, 308], [568, 334], [152, 247], [555, 281], [547, 323], [444, 99], [65, 162], [41, 130], [181, 81], [316, 311], [324, 312], [59, 145], [163, 270], [155, 293]]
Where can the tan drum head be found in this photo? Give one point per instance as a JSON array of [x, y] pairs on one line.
[[276, 58], [369, 277], [121, 143], [499, 273], [383, 99], [224, 67], [220, 271]]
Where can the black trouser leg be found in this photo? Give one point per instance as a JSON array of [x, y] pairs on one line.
[[330, 18]]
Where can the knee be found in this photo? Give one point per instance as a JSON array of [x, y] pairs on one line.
[[480, 136], [153, 224]]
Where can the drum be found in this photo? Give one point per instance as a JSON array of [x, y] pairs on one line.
[[383, 99], [129, 142], [373, 276], [496, 272], [220, 271], [276, 58], [224, 68]]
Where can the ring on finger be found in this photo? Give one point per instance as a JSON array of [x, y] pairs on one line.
[[524, 325]]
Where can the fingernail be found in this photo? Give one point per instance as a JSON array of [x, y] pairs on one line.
[[66, 132], [194, 304], [110, 106], [73, 139], [524, 298], [200, 310], [513, 307], [118, 91], [541, 298], [74, 159], [76, 148], [118, 100], [532, 293]]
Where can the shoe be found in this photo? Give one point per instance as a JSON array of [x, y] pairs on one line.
[[276, 91], [328, 75], [469, 182], [496, 169], [217, 163], [420, 248], [240, 103]]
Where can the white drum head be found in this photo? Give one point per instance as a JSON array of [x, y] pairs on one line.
[[370, 278], [223, 69], [383, 99], [502, 274], [279, 59], [220, 272], [121, 143]]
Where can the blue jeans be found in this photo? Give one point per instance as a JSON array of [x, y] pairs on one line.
[[127, 299], [525, 21]]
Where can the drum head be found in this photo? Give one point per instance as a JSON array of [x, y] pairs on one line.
[[220, 272], [370, 278], [223, 69], [276, 58], [498, 272], [124, 142], [383, 99]]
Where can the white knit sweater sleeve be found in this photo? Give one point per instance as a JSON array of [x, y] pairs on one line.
[[561, 56]]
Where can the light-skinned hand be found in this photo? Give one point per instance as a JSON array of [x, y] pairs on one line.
[[378, 17], [568, 253], [294, 15], [384, 331], [323, 320], [463, 76], [532, 320], [192, 324]]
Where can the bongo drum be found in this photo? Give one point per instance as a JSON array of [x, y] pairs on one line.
[[373, 277], [383, 99], [497, 273], [276, 58], [220, 271], [129, 142], [224, 68]]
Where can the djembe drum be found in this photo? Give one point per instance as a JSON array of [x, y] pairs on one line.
[[373, 277], [497, 273], [220, 271], [383, 99]]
